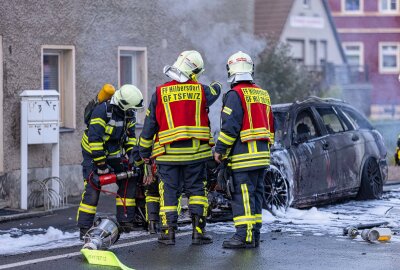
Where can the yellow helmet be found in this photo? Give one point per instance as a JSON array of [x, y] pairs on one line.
[[240, 67], [188, 66], [128, 97]]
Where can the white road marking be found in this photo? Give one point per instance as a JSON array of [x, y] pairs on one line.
[[73, 254]]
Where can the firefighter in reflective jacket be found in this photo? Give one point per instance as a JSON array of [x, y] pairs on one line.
[[107, 141], [177, 117], [245, 136]]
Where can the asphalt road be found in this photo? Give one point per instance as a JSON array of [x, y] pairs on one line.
[[278, 250]]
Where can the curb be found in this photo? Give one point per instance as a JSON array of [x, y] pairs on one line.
[[392, 183], [32, 214]]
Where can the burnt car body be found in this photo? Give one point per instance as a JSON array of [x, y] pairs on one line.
[[324, 150]]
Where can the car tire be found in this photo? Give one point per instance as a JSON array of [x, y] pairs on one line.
[[276, 190], [371, 181]]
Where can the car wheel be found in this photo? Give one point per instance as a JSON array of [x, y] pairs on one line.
[[276, 190], [371, 181]]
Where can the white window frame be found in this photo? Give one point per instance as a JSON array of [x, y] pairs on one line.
[[66, 75], [385, 70], [141, 53], [388, 10], [360, 54], [344, 10], [1, 108]]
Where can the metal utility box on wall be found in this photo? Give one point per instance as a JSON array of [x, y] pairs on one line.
[[39, 125]]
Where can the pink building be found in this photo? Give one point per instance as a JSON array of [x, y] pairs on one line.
[[370, 34]]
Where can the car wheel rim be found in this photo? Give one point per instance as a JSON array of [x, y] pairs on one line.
[[374, 176], [276, 190]]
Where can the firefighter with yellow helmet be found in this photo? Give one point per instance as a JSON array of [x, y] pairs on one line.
[[243, 143], [177, 118], [109, 139]]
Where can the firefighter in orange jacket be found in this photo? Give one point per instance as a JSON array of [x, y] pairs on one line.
[[177, 117], [244, 140]]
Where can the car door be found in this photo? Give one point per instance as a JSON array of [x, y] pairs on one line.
[[343, 139], [312, 155]]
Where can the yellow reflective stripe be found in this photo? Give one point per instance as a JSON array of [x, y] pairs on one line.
[[128, 202], [98, 121], [132, 141], [157, 150], [252, 147], [248, 164], [247, 211], [252, 156], [166, 209], [249, 115], [243, 220], [192, 129], [255, 130], [226, 139], [127, 150], [206, 154], [147, 112], [183, 136], [202, 200], [258, 218], [99, 158], [187, 150], [198, 109], [152, 199], [87, 208], [96, 146], [168, 115], [145, 143], [115, 153], [227, 110], [131, 124], [138, 163], [163, 216], [85, 143]]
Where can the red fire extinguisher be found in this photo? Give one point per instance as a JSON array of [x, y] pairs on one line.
[[112, 178]]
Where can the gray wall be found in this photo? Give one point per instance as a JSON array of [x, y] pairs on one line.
[[96, 29]]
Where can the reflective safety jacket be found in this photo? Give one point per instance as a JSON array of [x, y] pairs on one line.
[[177, 122], [247, 128], [110, 134]]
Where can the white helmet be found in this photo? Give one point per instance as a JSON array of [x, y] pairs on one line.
[[128, 97], [240, 67], [188, 66]]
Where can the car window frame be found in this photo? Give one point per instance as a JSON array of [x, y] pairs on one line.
[[317, 124], [324, 106], [360, 115]]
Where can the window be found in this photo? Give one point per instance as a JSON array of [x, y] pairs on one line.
[[305, 127], [331, 120], [297, 50], [313, 53], [132, 69], [389, 57], [324, 52], [307, 4], [356, 118], [355, 53], [352, 6], [389, 6], [58, 73]]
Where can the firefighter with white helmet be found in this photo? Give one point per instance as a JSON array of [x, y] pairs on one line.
[[243, 145], [177, 119], [108, 140]]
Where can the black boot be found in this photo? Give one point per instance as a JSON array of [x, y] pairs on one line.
[[257, 237], [167, 236], [152, 227], [199, 236], [237, 242]]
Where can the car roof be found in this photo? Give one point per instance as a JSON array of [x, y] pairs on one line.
[[283, 107]]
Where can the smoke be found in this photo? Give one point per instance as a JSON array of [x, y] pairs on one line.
[[216, 29]]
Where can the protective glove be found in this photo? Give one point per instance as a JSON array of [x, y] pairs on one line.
[[148, 174], [102, 168]]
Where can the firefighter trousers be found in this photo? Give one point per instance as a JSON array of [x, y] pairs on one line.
[[152, 202], [247, 200], [125, 201], [172, 178]]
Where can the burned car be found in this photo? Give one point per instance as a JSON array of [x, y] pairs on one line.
[[324, 150]]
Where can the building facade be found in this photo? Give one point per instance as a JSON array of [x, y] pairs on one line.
[[370, 35], [76, 46]]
